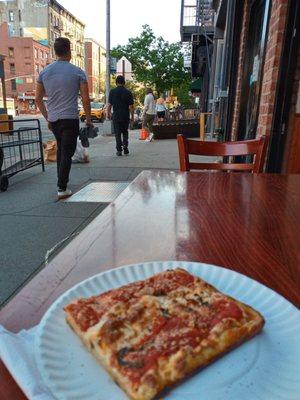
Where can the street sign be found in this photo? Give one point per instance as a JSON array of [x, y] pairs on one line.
[[19, 81], [113, 65]]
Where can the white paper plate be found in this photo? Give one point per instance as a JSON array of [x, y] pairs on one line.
[[265, 368]]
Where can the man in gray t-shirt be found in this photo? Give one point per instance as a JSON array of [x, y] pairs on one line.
[[61, 82]]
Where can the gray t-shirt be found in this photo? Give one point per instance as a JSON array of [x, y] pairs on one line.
[[61, 81]]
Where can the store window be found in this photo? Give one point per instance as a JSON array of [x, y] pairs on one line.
[[252, 69]]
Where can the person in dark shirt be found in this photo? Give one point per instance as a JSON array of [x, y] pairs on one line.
[[121, 100]]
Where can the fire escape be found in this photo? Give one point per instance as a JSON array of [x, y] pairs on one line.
[[197, 27]]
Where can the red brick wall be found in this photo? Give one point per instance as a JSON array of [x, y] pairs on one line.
[[89, 63], [238, 93], [271, 67]]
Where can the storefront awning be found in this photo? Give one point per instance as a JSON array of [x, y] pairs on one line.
[[196, 86]]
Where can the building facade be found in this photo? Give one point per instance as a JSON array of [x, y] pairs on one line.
[[92, 67], [102, 70], [248, 71], [44, 21], [256, 71], [197, 30], [24, 59]]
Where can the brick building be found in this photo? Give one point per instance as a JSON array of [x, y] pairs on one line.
[[44, 21], [24, 59], [92, 67], [255, 73]]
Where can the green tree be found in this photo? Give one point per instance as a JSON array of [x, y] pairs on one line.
[[155, 62]]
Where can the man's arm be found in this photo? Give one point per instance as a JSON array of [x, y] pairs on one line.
[[146, 105], [131, 107], [109, 111], [110, 104], [84, 92], [39, 95]]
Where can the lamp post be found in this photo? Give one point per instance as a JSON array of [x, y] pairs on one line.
[[107, 79], [107, 125], [2, 78]]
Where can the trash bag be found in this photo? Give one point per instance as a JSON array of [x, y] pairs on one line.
[[50, 149], [81, 154]]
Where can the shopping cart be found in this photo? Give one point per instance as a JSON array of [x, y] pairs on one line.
[[20, 148]]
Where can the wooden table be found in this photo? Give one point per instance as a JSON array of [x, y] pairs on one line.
[[248, 223]]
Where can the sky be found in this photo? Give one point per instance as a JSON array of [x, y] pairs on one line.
[[127, 18]]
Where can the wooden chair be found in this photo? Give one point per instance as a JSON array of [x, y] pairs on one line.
[[256, 147]]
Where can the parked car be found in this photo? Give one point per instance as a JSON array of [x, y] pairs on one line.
[[97, 112]]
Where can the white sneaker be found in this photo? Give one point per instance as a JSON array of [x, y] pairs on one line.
[[150, 138], [62, 194]]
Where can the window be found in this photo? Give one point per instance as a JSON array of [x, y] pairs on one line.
[[20, 16], [37, 69], [27, 52], [41, 54], [12, 68], [11, 52], [35, 53], [13, 85], [11, 16], [51, 18], [46, 56], [28, 66]]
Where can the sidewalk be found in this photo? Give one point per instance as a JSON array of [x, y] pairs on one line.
[[34, 226]]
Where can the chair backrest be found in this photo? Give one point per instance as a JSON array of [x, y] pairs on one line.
[[256, 147]]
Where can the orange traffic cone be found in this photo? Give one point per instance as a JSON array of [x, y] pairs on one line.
[[143, 134]]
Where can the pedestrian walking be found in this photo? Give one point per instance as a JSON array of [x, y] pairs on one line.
[[61, 82], [149, 113], [160, 109], [121, 102]]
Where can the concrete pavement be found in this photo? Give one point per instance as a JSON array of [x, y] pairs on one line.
[[34, 226]]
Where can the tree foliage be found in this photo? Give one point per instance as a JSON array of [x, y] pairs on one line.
[[155, 62]]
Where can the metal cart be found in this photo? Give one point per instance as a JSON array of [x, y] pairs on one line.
[[20, 148]]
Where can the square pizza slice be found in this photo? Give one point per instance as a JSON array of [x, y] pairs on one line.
[[153, 333]]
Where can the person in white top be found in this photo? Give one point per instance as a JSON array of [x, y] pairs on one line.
[[149, 113], [160, 109]]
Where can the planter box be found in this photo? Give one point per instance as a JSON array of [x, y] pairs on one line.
[[170, 129]]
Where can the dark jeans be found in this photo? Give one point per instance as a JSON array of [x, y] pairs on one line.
[[121, 128], [66, 132], [148, 122]]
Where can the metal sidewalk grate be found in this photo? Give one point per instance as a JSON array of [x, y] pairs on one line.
[[99, 192]]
